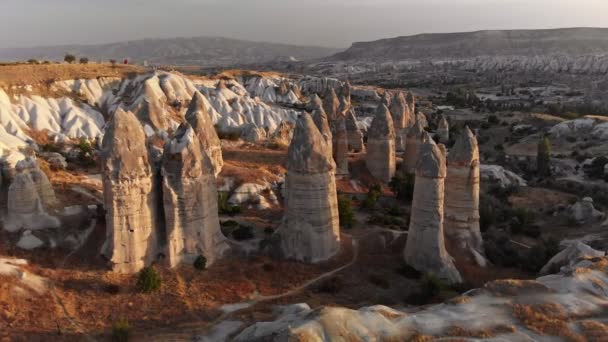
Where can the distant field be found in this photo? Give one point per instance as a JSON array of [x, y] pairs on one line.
[[30, 74]]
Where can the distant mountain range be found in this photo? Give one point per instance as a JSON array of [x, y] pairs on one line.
[[204, 51], [567, 41]]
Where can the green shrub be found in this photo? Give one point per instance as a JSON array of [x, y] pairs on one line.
[[148, 280], [121, 330], [69, 58], [379, 280], [373, 195], [345, 211], [543, 158], [84, 60], [225, 208], [85, 153], [32, 61], [403, 187], [200, 263]]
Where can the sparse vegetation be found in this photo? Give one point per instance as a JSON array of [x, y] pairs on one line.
[[200, 263], [121, 330], [543, 158], [373, 195], [345, 209], [226, 208], [83, 60], [148, 280], [69, 58], [403, 187]]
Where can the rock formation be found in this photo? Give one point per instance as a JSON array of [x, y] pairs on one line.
[[413, 138], [443, 130], [331, 105], [24, 200], [425, 249], [411, 103], [310, 231], [283, 134], [41, 181], [380, 157], [198, 117], [151, 108], [462, 198], [341, 150], [252, 133], [355, 137], [190, 201], [399, 110], [421, 117], [129, 196], [584, 212], [321, 121]]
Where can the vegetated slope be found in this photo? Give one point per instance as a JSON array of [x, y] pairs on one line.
[[567, 41], [211, 51]]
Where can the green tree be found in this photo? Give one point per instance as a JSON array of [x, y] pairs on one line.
[[148, 280], [84, 60], [345, 211], [543, 158], [69, 58]]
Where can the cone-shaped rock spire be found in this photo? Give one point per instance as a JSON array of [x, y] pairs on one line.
[[198, 117], [380, 157]]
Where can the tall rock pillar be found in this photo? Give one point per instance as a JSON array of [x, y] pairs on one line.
[[380, 157]]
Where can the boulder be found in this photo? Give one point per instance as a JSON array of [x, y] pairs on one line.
[[583, 211], [425, 247], [310, 231], [28, 241], [498, 175], [570, 257], [190, 201], [380, 156]]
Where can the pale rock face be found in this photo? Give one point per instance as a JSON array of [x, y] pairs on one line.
[[413, 139], [399, 111], [130, 197], [421, 117], [355, 137], [498, 175], [341, 155], [425, 248], [584, 212], [462, 197], [310, 231], [331, 105], [252, 133], [151, 107], [380, 157], [43, 185], [190, 202], [569, 257], [321, 121], [198, 117], [25, 208], [28, 241], [443, 130]]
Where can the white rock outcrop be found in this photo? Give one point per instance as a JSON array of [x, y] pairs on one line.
[[569, 257], [462, 198], [130, 197], [310, 231], [190, 201], [198, 117], [583, 211], [412, 143], [425, 247], [380, 156], [498, 175]]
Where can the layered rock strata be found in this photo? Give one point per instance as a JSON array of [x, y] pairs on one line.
[[380, 157], [310, 230], [190, 201], [132, 240], [462, 198], [425, 248]]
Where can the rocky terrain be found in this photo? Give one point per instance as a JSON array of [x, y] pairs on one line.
[[255, 206], [201, 51]]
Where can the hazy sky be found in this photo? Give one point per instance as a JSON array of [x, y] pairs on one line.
[[335, 23]]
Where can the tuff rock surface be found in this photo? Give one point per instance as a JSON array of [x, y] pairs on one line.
[[380, 156], [310, 231], [198, 117], [443, 130], [425, 247], [412, 143]]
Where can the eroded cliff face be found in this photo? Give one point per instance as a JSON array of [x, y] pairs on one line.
[[380, 157], [132, 240], [198, 117], [425, 248], [462, 198], [310, 231], [190, 201]]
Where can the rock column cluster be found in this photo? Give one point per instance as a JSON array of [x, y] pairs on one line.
[[425, 248], [310, 231]]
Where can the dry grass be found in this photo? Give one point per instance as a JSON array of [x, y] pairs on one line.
[[594, 331], [546, 319], [33, 74], [456, 331]]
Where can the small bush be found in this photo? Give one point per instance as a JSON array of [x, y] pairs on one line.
[[493, 119], [121, 330], [69, 58], [373, 195], [32, 61], [148, 280], [543, 158], [243, 233], [403, 187], [200, 263], [345, 211], [226, 208], [84, 60], [379, 281]]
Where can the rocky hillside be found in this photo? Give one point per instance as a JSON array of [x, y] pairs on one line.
[[578, 50], [207, 51]]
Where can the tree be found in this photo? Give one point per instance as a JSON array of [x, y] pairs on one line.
[[69, 58], [113, 62], [345, 211], [84, 60], [543, 158]]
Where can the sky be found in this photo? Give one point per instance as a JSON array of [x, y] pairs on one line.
[[331, 23]]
